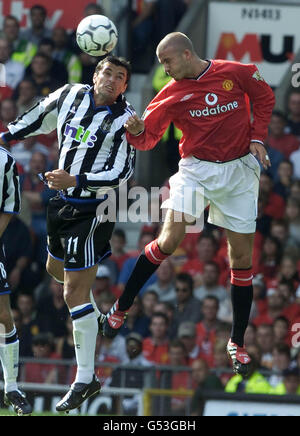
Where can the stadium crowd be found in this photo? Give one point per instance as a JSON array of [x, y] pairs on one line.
[[182, 317]]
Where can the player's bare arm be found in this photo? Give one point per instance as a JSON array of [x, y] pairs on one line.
[[60, 179], [259, 150], [134, 125]]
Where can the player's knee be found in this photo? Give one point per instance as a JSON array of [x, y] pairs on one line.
[[167, 244], [241, 260], [70, 292], [5, 314]]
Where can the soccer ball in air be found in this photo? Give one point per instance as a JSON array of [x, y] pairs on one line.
[[96, 35]]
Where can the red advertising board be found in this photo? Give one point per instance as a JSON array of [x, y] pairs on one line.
[[60, 12]]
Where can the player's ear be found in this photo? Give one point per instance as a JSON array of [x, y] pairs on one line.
[[94, 78]]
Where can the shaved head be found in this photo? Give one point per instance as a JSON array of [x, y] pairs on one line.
[[178, 41]]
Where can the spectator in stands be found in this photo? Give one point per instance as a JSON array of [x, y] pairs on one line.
[[30, 323], [40, 73], [270, 258], [280, 230], [18, 249], [131, 378], [286, 143], [27, 95], [156, 347], [62, 54], [109, 351], [289, 271], [168, 309], [136, 321], [165, 286], [293, 123], [295, 189], [118, 244], [23, 50], [295, 160], [8, 112], [265, 341], [42, 348], [291, 383], [259, 304], [210, 283], [149, 300], [254, 383], [285, 179], [53, 310], [204, 381], [281, 331], [281, 362], [221, 362], [187, 307], [104, 301], [23, 152], [38, 29], [65, 345], [291, 309], [102, 282], [275, 307], [38, 196], [207, 247], [274, 204], [14, 71], [292, 214], [207, 328], [250, 335], [276, 157], [170, 13], [188, 336], [144, 239]]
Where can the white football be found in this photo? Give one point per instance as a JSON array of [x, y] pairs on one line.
[[96, 35]]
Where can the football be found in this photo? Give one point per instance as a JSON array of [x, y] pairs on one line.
[[96, 35]]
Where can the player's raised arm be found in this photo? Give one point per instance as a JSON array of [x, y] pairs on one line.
[[40, 119]]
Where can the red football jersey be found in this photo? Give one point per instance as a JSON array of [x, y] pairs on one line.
[[212, 111]]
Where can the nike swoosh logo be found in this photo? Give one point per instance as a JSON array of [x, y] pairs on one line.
[[85, 394]]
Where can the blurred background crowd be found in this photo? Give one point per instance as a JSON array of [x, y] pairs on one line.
[[182, 317]]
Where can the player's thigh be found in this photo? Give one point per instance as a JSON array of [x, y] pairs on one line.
[[173, 230], [240, 249], [55, 267]]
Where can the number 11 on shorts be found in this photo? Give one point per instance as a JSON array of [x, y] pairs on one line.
[[72, 242]]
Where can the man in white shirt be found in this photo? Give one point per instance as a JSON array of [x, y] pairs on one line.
[[14, 71]]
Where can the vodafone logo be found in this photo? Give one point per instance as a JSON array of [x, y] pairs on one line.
[[211, 99]]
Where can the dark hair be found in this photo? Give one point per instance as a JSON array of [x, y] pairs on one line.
[[120, 233], [176, 343], [280, 115], [282, 319], [212, 298], [118, 61], [42, 55], [94, 6], [11, 17], [39, 8], [47, 41], [160, 315], [214, 264], [151, 292], [207, 235], [185, 278]]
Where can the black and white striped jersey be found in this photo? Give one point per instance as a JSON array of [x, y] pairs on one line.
[[9, 183], [92, 140]]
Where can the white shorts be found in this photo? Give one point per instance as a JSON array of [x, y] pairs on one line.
[[230, 188]]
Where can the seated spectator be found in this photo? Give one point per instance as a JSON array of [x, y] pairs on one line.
[[274, 205], [276, 157], [144, 239], [38, 29], [167, 309], [156, 347], [207, 328], [281, 362], [38, 196], [131, 378], [188, 336], [292, 213], [165, 286], [149, 300], [53, 310], [250, 335], [109, 351], [42, 348], [210, 283], [269, 262], [254, 383], [281, 331], [288, 271], [187, 308], [40, 74], [293, 122], [26, 95], [136, 321], [118, 243], [102, 282], [88, 67], [14, 71], [180, 379], [290, 384], [8, 113], [204, 381], [291, 309], [285, 179], [275, 308], [30, 325], [265, 341], [62, 54], [207, 248], [259, 304], [65, 345], [18, 249], [280, 230], [221, 361], [104, 301], [286, 143], [22, 49]]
